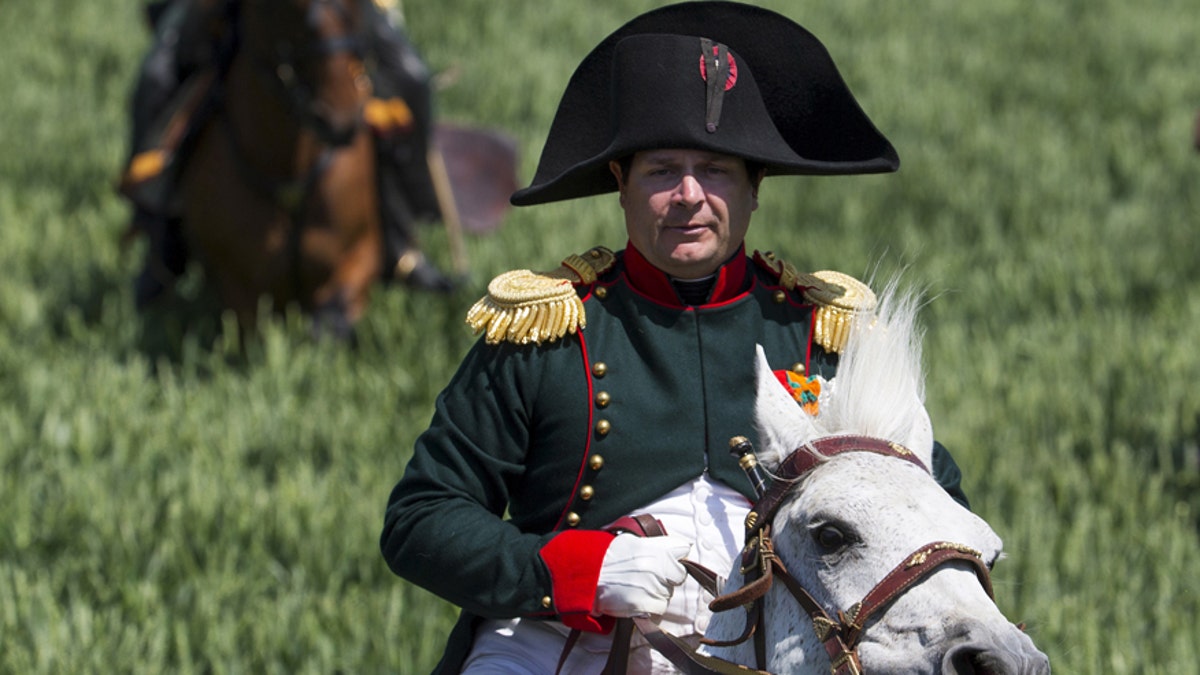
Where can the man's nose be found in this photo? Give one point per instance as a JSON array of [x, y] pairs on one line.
[[689, 192]]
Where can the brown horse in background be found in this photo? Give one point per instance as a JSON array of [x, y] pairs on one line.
[[278, 193]]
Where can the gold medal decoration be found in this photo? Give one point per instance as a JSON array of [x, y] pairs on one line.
[[526, 307]]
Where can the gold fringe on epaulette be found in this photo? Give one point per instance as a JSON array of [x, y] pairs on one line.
[[524, 307], [840, 300]]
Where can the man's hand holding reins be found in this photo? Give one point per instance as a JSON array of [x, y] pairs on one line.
[[639, 574]]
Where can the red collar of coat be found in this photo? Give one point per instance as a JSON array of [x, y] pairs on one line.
[[732, 278]]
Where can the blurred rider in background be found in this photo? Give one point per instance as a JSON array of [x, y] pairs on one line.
[[194, 36]]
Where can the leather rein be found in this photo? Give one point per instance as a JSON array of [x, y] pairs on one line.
[[760, 567]]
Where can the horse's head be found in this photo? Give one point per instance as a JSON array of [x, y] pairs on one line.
[[311, 51], [865, 507]]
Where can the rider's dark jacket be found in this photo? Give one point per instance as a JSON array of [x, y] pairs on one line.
[[534, 448]]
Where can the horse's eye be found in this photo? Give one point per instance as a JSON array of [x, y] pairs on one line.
[[829, 537]]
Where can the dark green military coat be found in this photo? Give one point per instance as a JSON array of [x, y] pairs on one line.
[[531, 441]]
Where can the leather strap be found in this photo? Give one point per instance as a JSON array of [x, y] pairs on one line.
[[806, 458], [642, 525], [686, 658], [923, 562], [618, 656]]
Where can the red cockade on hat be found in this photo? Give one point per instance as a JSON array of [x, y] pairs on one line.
[[731, 79]]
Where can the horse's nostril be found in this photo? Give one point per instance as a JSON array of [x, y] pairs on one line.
[[965, 660], [972, 659], [981, 667], [976, 659]]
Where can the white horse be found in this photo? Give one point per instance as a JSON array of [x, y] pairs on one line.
[[845, 520]]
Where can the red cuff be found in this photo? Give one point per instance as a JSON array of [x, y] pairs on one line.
[[574, 558]]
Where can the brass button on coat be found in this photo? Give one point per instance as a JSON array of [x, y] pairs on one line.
[[798, 368], [595, 462], [599, 369], [779, 297], [602, 292], [603, 427], [546, 601], [587, 492], [603, 399], [573, 519]]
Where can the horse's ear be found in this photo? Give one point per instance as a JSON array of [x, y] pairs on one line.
[[782, 424]]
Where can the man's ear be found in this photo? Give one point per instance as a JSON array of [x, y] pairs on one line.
[[755, 181], [615, 167]]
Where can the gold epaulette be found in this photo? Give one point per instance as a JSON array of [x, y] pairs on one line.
[[523, 306], [840, 300]]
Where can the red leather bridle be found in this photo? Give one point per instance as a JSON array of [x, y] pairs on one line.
[[760, 565]]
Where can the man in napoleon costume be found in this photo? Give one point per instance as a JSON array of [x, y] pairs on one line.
[[612, 385]]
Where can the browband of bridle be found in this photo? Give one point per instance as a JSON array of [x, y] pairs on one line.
[[760, 567], [805, 459]]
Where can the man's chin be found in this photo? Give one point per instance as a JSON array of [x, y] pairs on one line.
[[692, 265]]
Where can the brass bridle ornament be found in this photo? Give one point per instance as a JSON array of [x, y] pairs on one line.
[[760, 565]]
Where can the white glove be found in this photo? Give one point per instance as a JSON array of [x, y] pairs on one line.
[[638, 575]]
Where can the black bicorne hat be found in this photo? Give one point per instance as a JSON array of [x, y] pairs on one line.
[[784, 104]]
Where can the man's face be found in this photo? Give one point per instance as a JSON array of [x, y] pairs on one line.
[[686, 211]]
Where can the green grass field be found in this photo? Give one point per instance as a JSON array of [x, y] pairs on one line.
[[168, 504]]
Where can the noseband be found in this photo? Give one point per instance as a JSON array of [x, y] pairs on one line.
[[761, 566]]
